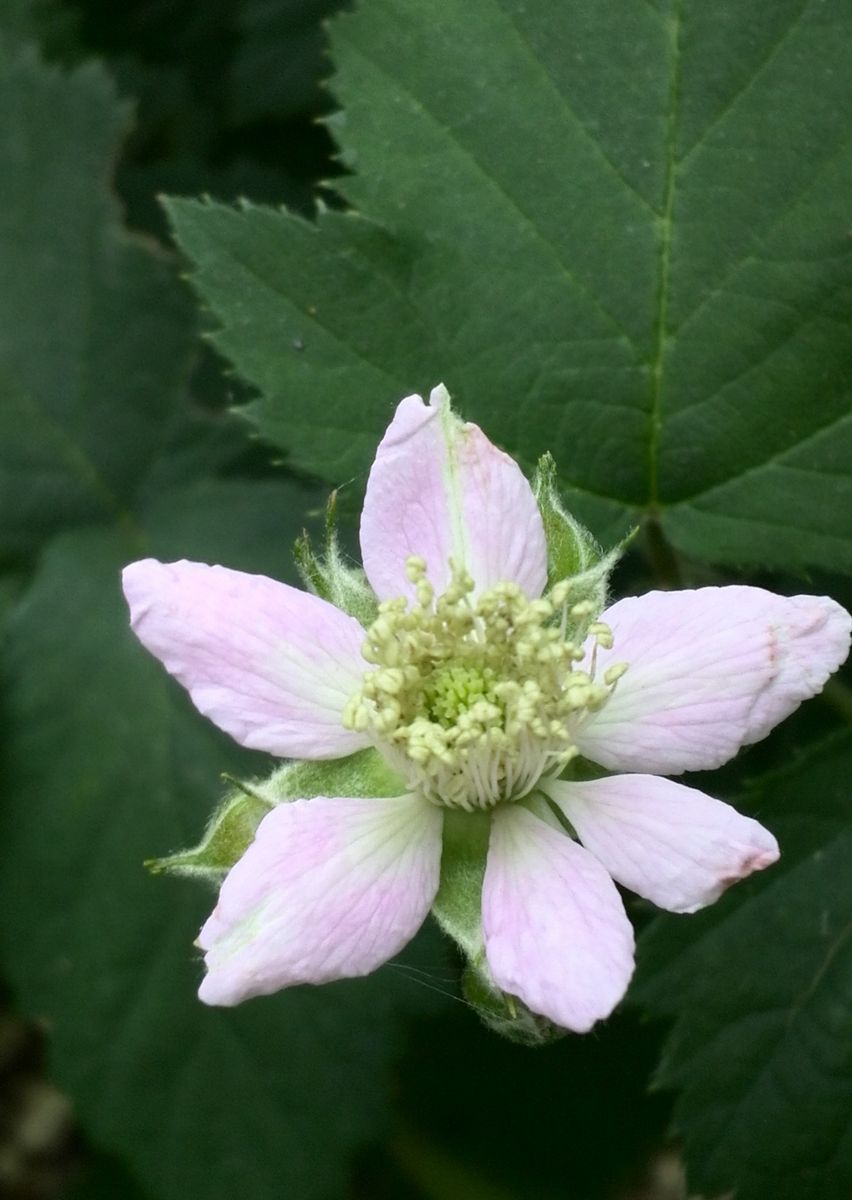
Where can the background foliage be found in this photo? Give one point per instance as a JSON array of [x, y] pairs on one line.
[[617, 231]]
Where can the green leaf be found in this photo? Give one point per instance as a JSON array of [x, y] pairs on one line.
[[618, 232], [760, 987], [280, 58], [83, 400], [48, 21], [104, 1178], [105, 761]]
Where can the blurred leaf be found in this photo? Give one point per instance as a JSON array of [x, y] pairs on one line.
[[440, 1175], [568, 1121], [280, 61], [760, 985], [84, 400], [618, 231], [106, 763], [51, 22], [105, 1178], [212, 85]]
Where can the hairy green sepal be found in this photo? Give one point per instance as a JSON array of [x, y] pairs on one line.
[[330, 576], [572, 552], [504, 1014], [458, 904], [458, 910], [232, 827], [364, 773], [226, 838]]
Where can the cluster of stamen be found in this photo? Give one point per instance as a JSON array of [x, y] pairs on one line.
[[473, 701]]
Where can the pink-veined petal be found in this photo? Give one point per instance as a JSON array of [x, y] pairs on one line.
[[329, 888], [270, 665], [439, 489], [811, 640], [556, 933], [671, 844], [708, 671]]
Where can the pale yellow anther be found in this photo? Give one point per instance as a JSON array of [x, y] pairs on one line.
[[602, 635], [473, 700], [613, 674], [560, 592], [415, 568], [425, 593]]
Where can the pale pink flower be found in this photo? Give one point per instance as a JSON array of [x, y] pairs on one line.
[[482, 714]]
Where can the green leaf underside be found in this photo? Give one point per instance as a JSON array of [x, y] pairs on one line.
[[760, 986], [105, 761], [616, 232]]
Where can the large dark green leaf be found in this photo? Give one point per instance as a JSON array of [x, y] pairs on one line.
[[85, 397], [618, 231], [761, 988], [105, 761]]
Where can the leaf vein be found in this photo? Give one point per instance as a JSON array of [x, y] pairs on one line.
[[655, 419], [810, 182], [563, 103], [623, 335], [280, 294], [764, 464], [771, 54]]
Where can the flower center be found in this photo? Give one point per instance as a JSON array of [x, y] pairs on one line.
[[453, 690], [473, 701]]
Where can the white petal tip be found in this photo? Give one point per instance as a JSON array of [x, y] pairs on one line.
[[216, 994], [439, 397], [757, 860]]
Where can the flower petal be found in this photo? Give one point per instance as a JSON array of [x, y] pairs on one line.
[[666, 842], [330, 888], [269, 664], [709, 671], [439, 489], [811, 636], [556, 933]]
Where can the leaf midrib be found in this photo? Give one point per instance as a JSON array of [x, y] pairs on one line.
[[666, 228]]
